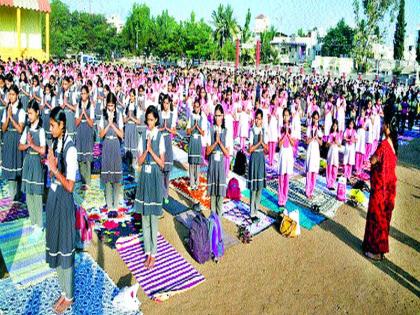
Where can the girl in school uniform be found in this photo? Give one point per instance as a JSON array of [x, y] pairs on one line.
[[168, 122], [349, 149], [196, 128], [361, 141], [328, 115], [68, 103], [49, 101], [273, 132], [24, 89], [111, 131], [333, 142], [244, 123], [370, 136], [85, 116], [314, 140], [149, 194], [33, 142], [378, 113], [286, 143], [341, 114], [36, 91], [217, 151], [60, 208], [296, 111], [228, 119], [256, 171], [99, 100], [13, 121], [131, 136]]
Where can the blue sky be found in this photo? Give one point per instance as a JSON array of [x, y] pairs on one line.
[[287, 16]]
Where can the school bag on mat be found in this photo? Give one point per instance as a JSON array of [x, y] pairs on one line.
[[216, 236], [199, 241], [233, 190], [84, 227], [288, 227], [240, 163]]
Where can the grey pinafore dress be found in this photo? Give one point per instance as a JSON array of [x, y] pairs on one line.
[[111, 171], [149, 194], [256, 167], [84, 140], [23, 98], [61, 219], [194, 147], [70, 123], [45, 115], [33, 170], [12, 157], [216, 176], [169, 155], [131, 135]]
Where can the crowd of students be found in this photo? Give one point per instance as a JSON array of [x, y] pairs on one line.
[[58, 111]]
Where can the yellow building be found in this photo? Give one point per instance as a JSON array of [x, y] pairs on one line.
[[21, 30]]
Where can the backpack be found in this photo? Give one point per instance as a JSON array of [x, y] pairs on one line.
[[240, 163], [84, 227], [233, 191], [199, 242], [216, 236]]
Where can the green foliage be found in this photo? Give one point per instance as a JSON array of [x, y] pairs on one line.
[[368, 27], [418, 48], [225, 25], [267, 52], [338, 40], [400, 33]]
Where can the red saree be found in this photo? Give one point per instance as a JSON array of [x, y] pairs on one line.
[[382, 200]]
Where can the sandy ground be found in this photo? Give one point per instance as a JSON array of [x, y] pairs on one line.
[[322, 271]]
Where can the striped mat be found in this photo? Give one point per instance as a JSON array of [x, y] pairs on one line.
[[171, 275], [25, 260]]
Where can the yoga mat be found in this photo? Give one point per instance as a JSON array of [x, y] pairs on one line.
[[174, 207], [93, 197], [182, 186], [24, 259], [307, 219], [177, 172], [10, 211], [94, 292], [171, 275], [239, 213]]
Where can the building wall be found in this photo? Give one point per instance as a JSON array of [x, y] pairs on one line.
[[31, 33]]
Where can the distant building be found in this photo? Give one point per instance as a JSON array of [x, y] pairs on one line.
[[296, 49], [21, 29], [116, 22], [262, 23]]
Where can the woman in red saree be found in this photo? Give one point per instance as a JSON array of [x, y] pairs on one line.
[[383, 191]]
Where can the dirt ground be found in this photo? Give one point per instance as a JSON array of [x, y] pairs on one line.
[[322, 271]]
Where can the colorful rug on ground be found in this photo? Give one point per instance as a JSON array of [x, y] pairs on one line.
[[24, 258], [10, 211], [269, 200], [93, 294], [182, 186], [90, 197], [171, 275], [239, 213]]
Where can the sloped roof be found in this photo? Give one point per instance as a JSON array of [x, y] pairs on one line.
[[36, 5]]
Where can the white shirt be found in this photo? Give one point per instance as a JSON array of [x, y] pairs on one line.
[[167, 115], [120, 123], [152, 134], [132, 107], [71, 159], [66, 93], [91, 111], [42, 142], [255, 131], [196, 117], [21, 115]]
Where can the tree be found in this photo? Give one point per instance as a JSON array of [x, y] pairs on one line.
[[267, 52], [59, 23], [225, 25], [368, 28], [338, 41], [301, 32], [247, 55], [400, 33]]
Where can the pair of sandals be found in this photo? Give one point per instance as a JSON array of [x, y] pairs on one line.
[[375, 257], [62, 305]]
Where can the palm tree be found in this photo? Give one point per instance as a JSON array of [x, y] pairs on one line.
[[225, 25], [267, 53]]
